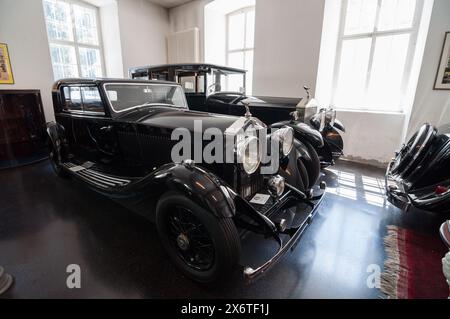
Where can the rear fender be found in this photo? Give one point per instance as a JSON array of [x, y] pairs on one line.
[[55, 132]]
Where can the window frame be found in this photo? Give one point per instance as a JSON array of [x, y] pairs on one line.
[[245, 49], [75, 42], [413, 31], [82, 111]]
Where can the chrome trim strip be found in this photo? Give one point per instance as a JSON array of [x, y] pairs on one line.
[[106, 180], [89, 177]]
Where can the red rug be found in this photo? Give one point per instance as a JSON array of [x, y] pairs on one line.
[[413, 267]]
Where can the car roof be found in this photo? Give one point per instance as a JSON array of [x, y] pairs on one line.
[[188, 67], [100, 81]]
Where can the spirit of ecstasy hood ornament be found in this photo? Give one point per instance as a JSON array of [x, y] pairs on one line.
[[248, 114]]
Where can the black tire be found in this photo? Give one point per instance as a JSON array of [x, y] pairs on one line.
[[54, 161], [221, 232]]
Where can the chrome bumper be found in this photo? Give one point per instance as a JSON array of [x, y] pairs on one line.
[[295, 234], [394, 191]]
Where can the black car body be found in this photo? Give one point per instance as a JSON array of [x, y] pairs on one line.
[[105, 137], [221, 89], [419, 175]]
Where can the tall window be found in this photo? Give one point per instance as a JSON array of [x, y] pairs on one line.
[[239, 45], [375, 50], [74, 38]]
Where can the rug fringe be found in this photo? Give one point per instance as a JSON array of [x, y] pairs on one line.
[[393, 271]]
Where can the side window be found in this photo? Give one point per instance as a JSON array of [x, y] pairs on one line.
[[72, 98], [92, 101], [188, 83]]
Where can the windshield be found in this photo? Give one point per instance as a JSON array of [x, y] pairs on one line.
[[125, 96], [220, 81]]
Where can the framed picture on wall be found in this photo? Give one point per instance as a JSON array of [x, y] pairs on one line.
[[443, 74], [6, 75]]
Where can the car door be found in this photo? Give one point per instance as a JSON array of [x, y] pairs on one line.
[[94, 130], [70, 104]]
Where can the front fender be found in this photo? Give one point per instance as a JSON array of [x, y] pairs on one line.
[[338, 124], [303, 132], [201, 186]]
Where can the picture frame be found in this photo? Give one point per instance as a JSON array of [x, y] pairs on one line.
[[443, 73], [6, 75]]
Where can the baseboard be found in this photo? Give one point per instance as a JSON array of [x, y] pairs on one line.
[[361, 160]]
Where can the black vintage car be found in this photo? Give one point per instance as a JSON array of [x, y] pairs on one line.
[[419, 175], [221, 89], [116, 136]]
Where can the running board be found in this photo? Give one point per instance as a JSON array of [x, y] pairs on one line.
[[94, 177]]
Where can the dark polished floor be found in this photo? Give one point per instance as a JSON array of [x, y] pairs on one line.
[[47, 223]]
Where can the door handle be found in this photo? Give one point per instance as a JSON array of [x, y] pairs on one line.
[[106, 129]]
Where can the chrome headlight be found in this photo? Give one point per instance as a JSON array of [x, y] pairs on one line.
[[286, 137], [248, 153]]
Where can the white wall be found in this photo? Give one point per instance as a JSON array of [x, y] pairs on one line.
[[22, 28], [189, 16], [143, 30], [287, 46], [430, 105]]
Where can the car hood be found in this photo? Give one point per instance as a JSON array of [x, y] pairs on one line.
[[171, 118]]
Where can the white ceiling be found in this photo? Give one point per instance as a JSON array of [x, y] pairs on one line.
[[169, 3]]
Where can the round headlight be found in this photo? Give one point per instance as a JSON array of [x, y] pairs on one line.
[[286, 137], [248, 153]]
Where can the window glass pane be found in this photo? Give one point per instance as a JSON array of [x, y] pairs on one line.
[[236, 60], [350, 86], [91, 100], [396, 14], [236, 31], [385, 85], [360, 17], [85, 25], [123, 96], [90, 63], [72, 98], [234, 83], [250, 30], [58, 20], [64, 61], [188, 83]]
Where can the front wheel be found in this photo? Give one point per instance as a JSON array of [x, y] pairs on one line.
[[204, 247]]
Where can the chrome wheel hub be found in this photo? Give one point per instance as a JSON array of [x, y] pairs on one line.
[[183, 242]]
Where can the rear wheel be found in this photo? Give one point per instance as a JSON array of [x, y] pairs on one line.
[[55, 160], [205, 248]]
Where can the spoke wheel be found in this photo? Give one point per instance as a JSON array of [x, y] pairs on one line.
[[190, 238], [204, 246]]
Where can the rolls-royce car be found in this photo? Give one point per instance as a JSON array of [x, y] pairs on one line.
[[117, 138], [221, 89], [419, 174]]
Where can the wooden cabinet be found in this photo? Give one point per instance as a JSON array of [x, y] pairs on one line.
[[22, 128]]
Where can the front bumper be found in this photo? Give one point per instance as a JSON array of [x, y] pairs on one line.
[[294, 233], [395, 192]]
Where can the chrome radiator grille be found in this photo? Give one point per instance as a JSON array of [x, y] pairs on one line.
[[249, 185]]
